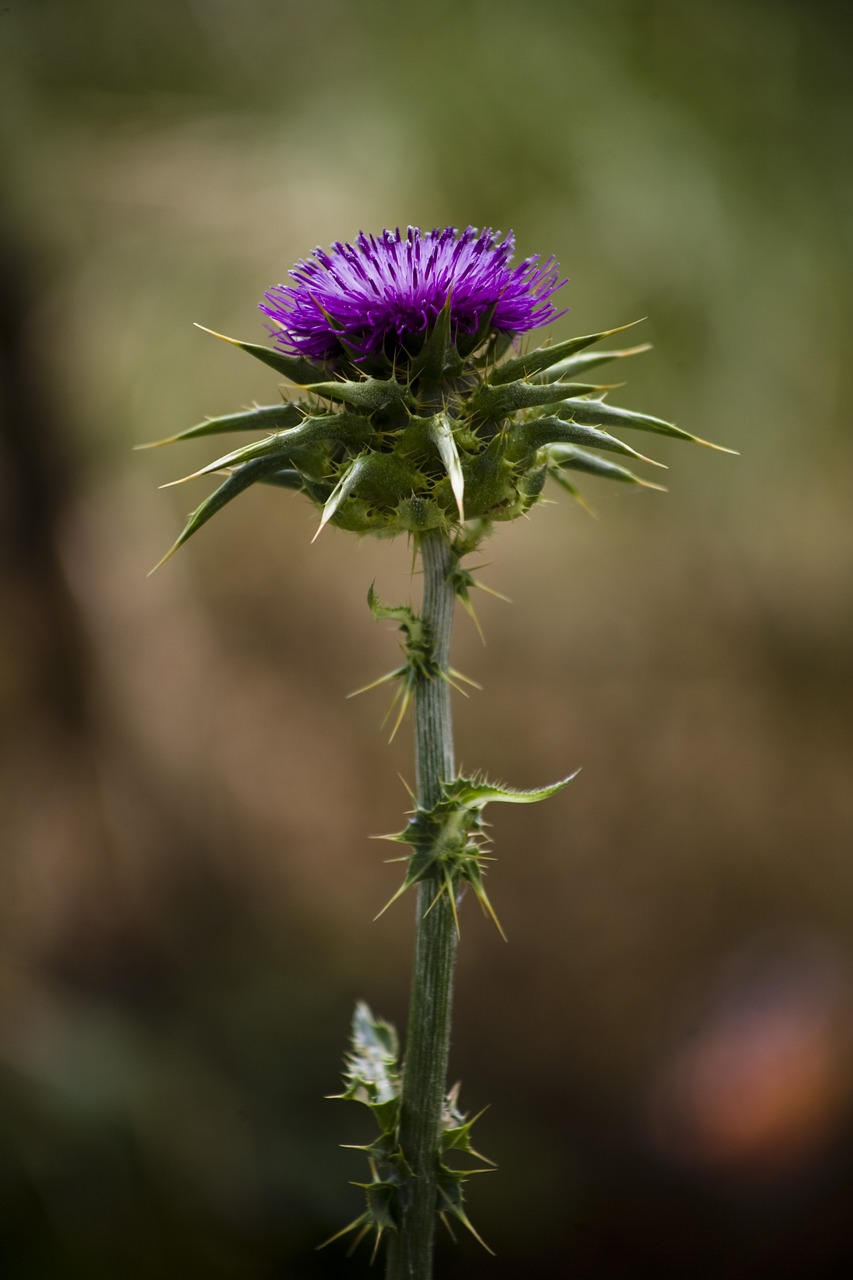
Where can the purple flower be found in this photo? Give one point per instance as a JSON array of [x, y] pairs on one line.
[[359, 296]]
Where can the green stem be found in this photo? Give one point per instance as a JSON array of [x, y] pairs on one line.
[[428, 1037]]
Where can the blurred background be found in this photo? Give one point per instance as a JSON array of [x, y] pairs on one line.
[[186, 881]]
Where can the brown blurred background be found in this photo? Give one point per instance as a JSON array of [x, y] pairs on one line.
[[186, 882]]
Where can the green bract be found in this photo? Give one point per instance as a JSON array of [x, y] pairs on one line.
[[444, 438]]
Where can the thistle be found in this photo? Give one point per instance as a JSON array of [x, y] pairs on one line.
[[411, 408]]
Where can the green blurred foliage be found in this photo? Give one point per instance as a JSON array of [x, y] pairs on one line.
[[185, 796]]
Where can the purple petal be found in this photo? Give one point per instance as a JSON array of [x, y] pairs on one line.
[[361, 294]]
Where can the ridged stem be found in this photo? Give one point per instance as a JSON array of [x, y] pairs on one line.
[[410, 1250]]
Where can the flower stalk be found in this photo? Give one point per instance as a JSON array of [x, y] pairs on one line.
[[410, 1247], [409, 412]]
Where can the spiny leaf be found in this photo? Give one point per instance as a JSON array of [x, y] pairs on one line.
[[475, 793], [597, 413], [402, 613], [459, 1139], [453, 1204], [456, 1127], [346, 428], [261, 418], [239, 480], [463, 582], [500, 401], [545, 357], [296, 368], [573, 365], [538, 432], [370, 396], [567, 455], [417, 646]]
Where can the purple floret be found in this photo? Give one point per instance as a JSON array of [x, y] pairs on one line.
[[395, 286]]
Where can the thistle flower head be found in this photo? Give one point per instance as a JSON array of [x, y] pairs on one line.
[[408, 412], [385, 292]]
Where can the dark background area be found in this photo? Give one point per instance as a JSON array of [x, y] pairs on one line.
[[186, 882]]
